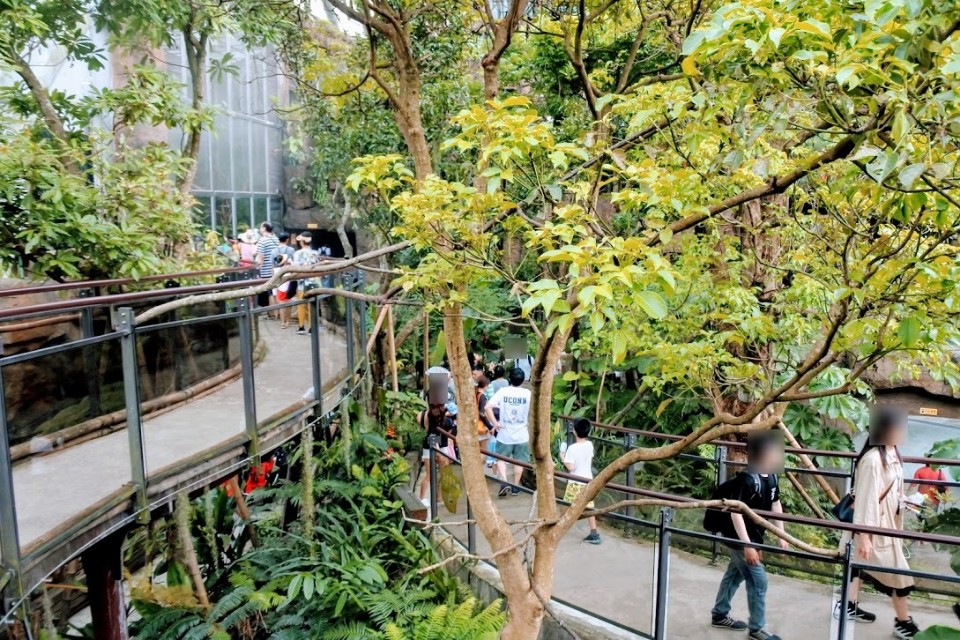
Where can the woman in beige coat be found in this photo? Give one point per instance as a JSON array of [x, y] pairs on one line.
[[878, 491]]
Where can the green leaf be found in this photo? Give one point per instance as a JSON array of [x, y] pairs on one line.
[[909, 331], [652, 304], [910, 173]]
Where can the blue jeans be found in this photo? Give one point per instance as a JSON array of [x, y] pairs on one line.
[[755, 576]]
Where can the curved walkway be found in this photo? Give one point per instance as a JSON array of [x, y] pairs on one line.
[[54, 489]]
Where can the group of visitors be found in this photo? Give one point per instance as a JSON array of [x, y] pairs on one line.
[[879, 502], [503, 403], [503, 409], [267, 251]]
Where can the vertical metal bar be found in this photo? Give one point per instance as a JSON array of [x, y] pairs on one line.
[[432, 441], [718, 464], [571, 436], [721, 465], [90, 369], [630, 441], [246, 370], [362, 308], [9, 532], [471, 531], [131, 398], [314, 310], [662, 580], [845, 591]]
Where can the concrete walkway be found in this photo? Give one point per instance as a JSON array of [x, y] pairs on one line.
[[615, 580], [55, 488]]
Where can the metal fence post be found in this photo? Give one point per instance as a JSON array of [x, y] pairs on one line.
[[471, 531], [630, 441], [571, 436], [314, 310], [718, 455], [131, 398], [432, 441], [87, 330], [721, 465], [9, 533], [246, 370], [662, 581], [845, 591]]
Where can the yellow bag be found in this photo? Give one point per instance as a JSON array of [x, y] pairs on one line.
[[573, 490]]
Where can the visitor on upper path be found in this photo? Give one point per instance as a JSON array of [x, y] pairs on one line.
[[578, 459], [248, 248], [879, 498], [933, 493], [286, 290], [513, 436], [759, 489], [267, 247], [305, 256]]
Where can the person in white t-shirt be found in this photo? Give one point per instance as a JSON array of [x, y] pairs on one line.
[[513, 436], [578, 459]]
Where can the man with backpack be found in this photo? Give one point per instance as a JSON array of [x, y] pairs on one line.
[[758, 488]]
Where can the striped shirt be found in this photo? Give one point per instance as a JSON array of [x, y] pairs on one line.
[[267, 247]]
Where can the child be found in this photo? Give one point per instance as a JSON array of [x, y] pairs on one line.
[[578, 459], [759, 490]]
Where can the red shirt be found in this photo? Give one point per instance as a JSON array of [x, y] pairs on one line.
[[932, 491]]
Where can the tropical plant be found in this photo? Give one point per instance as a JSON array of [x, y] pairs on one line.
[[356, 575]]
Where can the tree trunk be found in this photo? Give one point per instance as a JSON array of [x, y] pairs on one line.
[[410, 122], [342, 227], [196, 48], [50, 116]]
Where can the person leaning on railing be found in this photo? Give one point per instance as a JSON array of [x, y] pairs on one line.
[[878, 491]]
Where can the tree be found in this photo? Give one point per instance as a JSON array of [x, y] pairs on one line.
[[139, 25], [788, 208], [76, 201]]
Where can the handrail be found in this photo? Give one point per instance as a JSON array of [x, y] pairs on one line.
[[73, 304], [769, 515], [113, 282], [850, 455]]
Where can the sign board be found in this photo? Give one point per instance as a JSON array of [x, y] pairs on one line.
[[928, 411], [313, 225]]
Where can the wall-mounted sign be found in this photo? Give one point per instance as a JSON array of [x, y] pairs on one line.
[[313, 225], [928, 411]]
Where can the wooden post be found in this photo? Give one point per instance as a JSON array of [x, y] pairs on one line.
[[392, 348], [102, 564]]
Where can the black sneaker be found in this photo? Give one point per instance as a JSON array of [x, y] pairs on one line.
[[854, 612], [905, 629], [593, 538], [301, 331], [504, 491], [515, 492], [726, 622], [760, 634]]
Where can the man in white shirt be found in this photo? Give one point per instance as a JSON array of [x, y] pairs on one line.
[[513, 435]]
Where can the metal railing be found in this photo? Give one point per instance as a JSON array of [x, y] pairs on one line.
[[629, 439], [140, 491], [663, 530]]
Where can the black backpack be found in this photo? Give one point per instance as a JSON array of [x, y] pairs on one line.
[[718, 520]]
